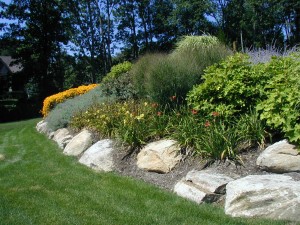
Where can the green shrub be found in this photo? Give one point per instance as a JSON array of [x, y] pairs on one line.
[[231, 87], [61, 115], [117, 70], [118, 82], [158, 76], [281, 108]]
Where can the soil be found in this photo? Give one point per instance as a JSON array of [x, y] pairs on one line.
[[126, 166]]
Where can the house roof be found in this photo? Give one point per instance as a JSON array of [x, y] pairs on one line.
[[8, 61]]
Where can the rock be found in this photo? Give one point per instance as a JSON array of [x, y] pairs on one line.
[[202, 186], [62, 137], [160, 156], [2, 157], [280, 157], [211, 182], [42, 127], [99, 156], [266, 196], [192, 192], [79, 143]]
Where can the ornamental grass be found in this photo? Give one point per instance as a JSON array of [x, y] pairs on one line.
[[60, 97]]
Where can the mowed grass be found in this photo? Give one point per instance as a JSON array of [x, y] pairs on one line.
[[40, 185]]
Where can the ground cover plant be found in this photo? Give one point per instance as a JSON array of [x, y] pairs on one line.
[[62, 113], [50, 102], [40, 185]]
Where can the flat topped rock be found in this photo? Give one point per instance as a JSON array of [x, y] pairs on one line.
[[192, 192], [266, 196], [211, 182], [281, 157], [160, 156]]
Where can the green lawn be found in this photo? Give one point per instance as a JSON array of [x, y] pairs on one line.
[[40, 185]]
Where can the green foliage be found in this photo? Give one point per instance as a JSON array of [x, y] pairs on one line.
[[281, 108], [158, 76], [215, 137], [61, 115], [118, 82], [134, 123], [231, 87], [117, 70]]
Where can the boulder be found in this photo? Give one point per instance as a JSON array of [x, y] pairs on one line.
[[79, 143], [99, 156], [62, 137], [202, 186], [265, 196], [209, 181], [192, 192], [160, 156], [42, 127], [280, 157]]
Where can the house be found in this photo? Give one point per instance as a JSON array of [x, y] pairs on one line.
[[7, 69]]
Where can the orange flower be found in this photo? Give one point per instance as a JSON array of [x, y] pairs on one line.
[[207, 123], [173, 98], [194, 111], [159, 113], [154, 105], [215, 114]]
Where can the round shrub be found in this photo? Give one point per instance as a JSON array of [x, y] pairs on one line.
[[231, 87], [281, 108]]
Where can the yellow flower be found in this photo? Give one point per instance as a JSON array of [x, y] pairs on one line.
[[140, 117]]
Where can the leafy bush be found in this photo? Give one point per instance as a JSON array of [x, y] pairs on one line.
[[159, 76], [117, 70], [62, 113], [231, 87], [50, 102], [118, 82], [281, 108]]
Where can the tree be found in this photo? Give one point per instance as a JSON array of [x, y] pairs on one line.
[[41, 27]]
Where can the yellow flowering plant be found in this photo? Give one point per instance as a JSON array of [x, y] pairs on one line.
[[60, 97], [133, 122]]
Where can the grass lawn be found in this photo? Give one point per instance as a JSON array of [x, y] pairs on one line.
[[40, 185]]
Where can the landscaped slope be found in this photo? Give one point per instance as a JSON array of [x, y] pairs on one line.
[[39, 185]]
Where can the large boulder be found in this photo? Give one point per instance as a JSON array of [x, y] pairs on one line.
[[79, 143], [266, 196], [160, 156], [202, 186], [42, 127], [209, 181], [62, 137], [280, 157], [99, 156]]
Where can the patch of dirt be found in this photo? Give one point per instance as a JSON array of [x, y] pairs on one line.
[[126, 166]]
